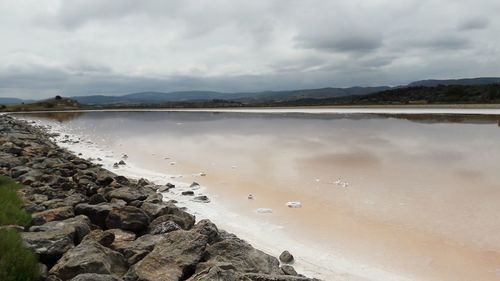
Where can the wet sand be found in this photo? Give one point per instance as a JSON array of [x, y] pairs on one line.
[[421, 202]]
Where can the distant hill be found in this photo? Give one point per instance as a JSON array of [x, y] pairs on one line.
[[292, 97], [464, 82], [189, 96], [450, 94], [11, 101]]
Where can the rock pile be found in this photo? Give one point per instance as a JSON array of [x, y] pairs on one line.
[[91, 224]]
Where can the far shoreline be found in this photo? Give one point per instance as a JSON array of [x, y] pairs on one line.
[[439, 109]]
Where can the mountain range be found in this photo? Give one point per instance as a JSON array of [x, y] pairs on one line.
[[151, 98]]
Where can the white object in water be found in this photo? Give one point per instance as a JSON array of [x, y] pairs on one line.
[[250, 196], [233, 167], [264, 211], [202, 174], [294, 204]]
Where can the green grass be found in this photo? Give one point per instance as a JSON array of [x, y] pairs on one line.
[[16, 262], [10, 204]]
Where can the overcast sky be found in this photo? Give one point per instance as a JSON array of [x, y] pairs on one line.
[[83, 47]]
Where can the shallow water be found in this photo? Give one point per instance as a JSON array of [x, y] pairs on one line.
[[397, 196]]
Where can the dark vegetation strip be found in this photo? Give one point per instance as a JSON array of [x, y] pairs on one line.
[[16, 262]]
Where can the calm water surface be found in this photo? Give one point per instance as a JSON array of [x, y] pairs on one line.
[[421, 193]]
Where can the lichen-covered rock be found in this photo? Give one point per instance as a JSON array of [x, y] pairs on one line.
[[89, 257], [96, 213], [174, 258], [209, 229], [138, 249], [56, 214], [128, 194], [49, 245], [95, 277], [78, 227], [242, 256]]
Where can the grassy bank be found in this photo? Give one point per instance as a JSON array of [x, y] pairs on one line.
[[16, 262]]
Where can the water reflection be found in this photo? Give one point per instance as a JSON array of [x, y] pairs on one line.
[[423, 194], [55, 116]]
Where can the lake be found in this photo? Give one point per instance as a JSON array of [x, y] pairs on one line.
[[382, 196]]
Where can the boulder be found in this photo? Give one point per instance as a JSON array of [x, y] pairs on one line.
[[154, 210], [78, 227], [49, 245], [188, 193], [104, 238], [286, 257], [89, 257], [122, 238], [95, 277], [156, 198], [128, 194], [202, 199], [56, 214], [220, 271], [186, 222], [289, 270], [274, 277], [164, 227], [128, 218], [138, 249], [96, 213], [242, 256], [209, 229], [75, 199], [96, 199], [174, 258]]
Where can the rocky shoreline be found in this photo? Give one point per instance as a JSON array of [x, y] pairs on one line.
[[91, 224]]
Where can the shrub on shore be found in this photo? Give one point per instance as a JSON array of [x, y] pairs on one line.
[[16, 262], [10, 204]]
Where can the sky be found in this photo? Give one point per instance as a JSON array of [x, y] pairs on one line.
[[87, 47]]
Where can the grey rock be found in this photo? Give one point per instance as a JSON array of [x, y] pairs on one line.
[[286, 257], [274, 277], [49, 245], [128, 218], [89, 257], [102, 237], [95, 277], [188, 193], [243, 257], [164, 227], [75, 199], [77, 227], [128, 194], [289, 270], [202, 199], [56, 214], [122, 238], [174, 258], [138, 249], [96, 199], [209, 229], [96, 213]]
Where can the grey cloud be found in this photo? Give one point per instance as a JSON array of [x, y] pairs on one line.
[[474, 23], [81, 47], [342, 43], [447, 43]]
